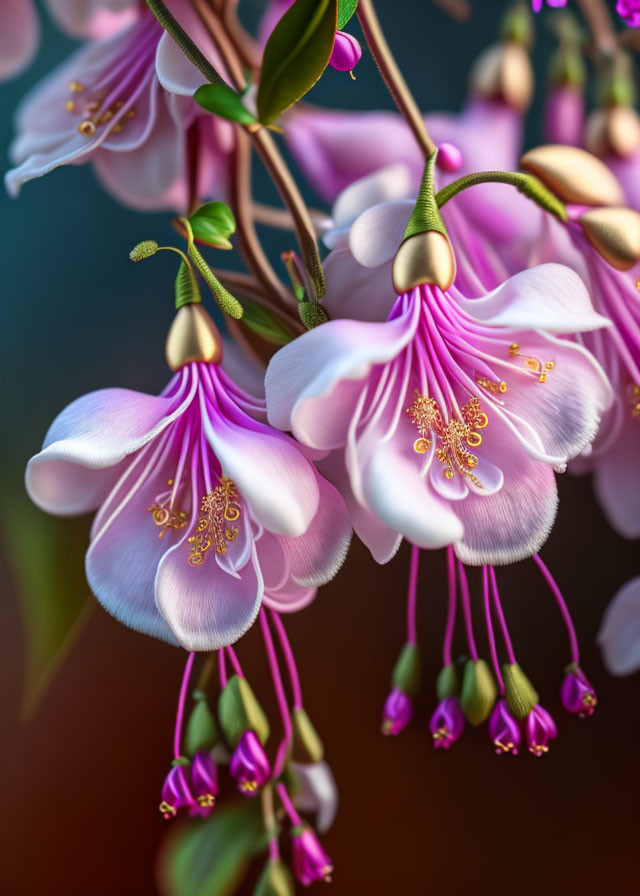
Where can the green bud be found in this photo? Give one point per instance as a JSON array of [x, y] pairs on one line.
[[239, 711], [275, 880], [517, 25], [145, 249], [312, 314], [478, 692], [407, 670], [520, 693], [201, 732], [448, 682], [307, 746], [227, 303]]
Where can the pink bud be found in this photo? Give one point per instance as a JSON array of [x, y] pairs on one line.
[[449, 158], [346, 52]]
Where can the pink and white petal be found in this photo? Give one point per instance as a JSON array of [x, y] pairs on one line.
[[271, 473], [175, 72], [315, 557], [205, 607], [617, 480], [548, 297], [357, 292], [376, 234], [274, 562], [126, 549], [514, 522], [19, 36], [303, 377], [93, 18], [187, 16], [316, 792], [619, 635], [291, 598], [93, 433], [393, 182]]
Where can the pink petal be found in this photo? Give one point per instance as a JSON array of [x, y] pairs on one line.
[[92, 18], [617, 480], [291, 598], [19, 36], [619, 635]]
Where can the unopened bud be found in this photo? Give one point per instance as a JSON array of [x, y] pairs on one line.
[[520, 694], [145, 249], [615, 234], [478, 692], [193, 336], [573, 174]]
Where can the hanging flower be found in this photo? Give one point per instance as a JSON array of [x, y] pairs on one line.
[[629, 11], [447, 723], [201, 506]]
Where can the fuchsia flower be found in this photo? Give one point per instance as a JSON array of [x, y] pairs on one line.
[[176, 791], [204, 782], [397, 712], [577, 693], [249, 765], [447, 723], [310, 861], [346, 52], [19, 36], [540, 729], [448, 420], [629, 11], [125, 104], [536, 5], [504, 729], [201, 506]]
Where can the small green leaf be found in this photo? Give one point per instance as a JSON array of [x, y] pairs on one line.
[[296, 54], [213, 224], [211, 858], [239, 711], [266, 323], [346, 9], [46, 562], [224, 102]]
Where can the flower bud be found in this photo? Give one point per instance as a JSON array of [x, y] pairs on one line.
[[447, 723], [521, 696], [576, 693], [540, 728], [204, 781], [503, 72], [397, 712], [346, 52], [193, 336], [275, 880], [504, 730], [176, 792], [478, 692], [310, 862], [449, 158], [201, 732], [629, 11], [615, 235], [424, 258], [613, 130], [307, 746], [573, 174], [249, 765], [408, 669]]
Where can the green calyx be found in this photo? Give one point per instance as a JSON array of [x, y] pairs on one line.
[[180, 760], [275, 880], [425, 216], [307, 746], [407, 670], [448, 682], [517, 25], [567, 67], [520, 694], [478, 692], [526, 184], [240, 711], [186, 288], [201, 732]]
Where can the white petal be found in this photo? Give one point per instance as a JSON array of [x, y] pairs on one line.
[[391, 182], [376, 235], [175, 72], [619, 636]]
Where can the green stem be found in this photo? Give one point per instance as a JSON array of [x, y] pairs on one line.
[[526, 184], [227, 303], [190, 50], [425, 215]]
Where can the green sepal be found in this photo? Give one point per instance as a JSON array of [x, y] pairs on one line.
[[296, 54], [517, 25], [407, 670], [425, 216], [239, 711], [143, 250], [312, 314], [186, 288], [212, 224], [181, 760], [346, 9], [448, 682], [307, 746], [520, 694], [568, 67], [201, 732], [223, 101], [275, 880], [227, 302], [266, 323], [478, 692]]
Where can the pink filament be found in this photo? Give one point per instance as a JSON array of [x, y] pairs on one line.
[[451, 610], [503, 622], [280, 695], [564, 610], [292, 668], [235, 662], [289, 808], [222, 669], [177, 734], [490, 634], [412, 634], [466, 608]]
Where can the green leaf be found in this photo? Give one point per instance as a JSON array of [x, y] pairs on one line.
[[213, 224], [211, 858], [46, 562], [346, 9], [266, 323], [295, 56], [224, 102]]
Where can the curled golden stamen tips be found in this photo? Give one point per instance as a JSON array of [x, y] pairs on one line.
[[219, 508]]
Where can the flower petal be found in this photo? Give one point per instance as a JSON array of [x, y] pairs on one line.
[[376, 234], [392, 182], [92, 18], [617, 480], [357, 292], [175, 72], [317, 792], [619, 635], [291, 598], [19, 36]]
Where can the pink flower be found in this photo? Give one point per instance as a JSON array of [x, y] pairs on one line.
[[564, 114], [201, 506], [446, 422], [536, 5], [346, 52], [310, 861], [93, 18], [540, 729], [19, 36], [619, 635], [125, 104], [447, 723], [629, 10]]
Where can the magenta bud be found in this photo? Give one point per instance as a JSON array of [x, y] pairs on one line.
[[447, 723], [176, 793], [629, 11], [249, 765], [540, 728], [310, 862], [397, 712], [536, 5], [577, 694], [204, 782], [346, 52], [504, 729], [449, 158]]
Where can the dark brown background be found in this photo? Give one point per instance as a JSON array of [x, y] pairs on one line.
[[79, 783]]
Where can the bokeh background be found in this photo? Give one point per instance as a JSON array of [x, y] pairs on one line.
[[82, 762]]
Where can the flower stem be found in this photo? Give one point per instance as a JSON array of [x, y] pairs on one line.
[[289, 808], [451, 610], [222, 669], [412, 596], [490, 634], [290, 660], [183, 40], [278, 686], [526, 184], [499, 612], [270, 823], [564, 610], [600, 25], [392, 76], [466, 609], [177, 734]]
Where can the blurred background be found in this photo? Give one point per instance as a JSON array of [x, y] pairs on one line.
[[88, 706]]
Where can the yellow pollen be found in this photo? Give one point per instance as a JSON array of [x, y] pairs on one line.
[[87, 128], [70, 106], [76, 87], [535, 365], [166, 809], [206, 800]]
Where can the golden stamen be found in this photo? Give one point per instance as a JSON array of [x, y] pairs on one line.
[[218, 508], [87, 128]]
